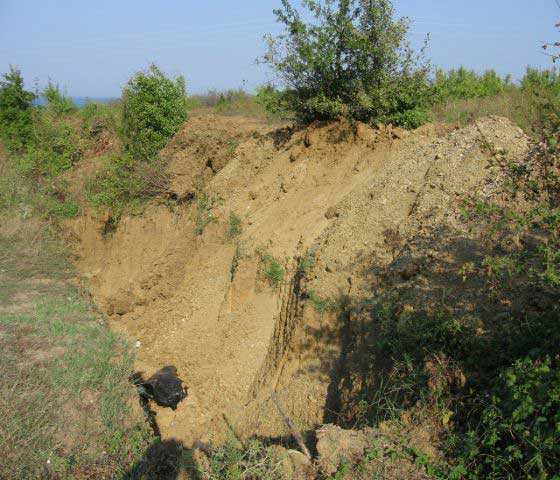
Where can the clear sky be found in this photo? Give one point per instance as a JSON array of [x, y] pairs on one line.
[[92, 47]]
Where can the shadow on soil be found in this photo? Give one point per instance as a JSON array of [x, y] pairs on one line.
[[427, 306], [164, 460]]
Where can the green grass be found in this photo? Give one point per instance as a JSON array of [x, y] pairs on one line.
[[514, 104], [234, 102], [322, 304], [235, 462], [65, 405]]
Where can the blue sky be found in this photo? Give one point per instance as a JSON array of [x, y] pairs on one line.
[[92, 48]]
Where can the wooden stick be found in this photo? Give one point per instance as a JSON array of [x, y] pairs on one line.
[[291, 426]]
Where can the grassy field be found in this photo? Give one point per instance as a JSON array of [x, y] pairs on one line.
[[515, 104], [66, 400]]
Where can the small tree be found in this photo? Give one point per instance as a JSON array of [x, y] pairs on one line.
[[58, 102], [154, 108], [352, 61], [16, 122]]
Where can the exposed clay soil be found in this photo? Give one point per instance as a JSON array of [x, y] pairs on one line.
[[361, 200]]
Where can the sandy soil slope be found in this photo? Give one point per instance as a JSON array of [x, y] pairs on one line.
[[351, 196]]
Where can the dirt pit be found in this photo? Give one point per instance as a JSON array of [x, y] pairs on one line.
[[197, 293]]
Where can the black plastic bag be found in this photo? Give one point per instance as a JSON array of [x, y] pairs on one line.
[[164, 387]]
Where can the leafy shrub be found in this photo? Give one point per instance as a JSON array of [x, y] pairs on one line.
[[272, 101], [57, 101], [519, 435], [124, 184], [154, 108], [16, 119], [351, 61], [54, 147], [49, 200]]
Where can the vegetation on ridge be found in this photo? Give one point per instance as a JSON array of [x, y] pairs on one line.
[[352, 61]]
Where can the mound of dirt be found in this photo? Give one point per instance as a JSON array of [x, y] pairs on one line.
[[350, 197], [203, 147]]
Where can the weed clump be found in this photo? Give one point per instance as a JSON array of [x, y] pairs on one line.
[[271, 268], [233, 461], [126, 184], [322, 304], [98, 119], [203, 214], [306, 263], [235, 226]]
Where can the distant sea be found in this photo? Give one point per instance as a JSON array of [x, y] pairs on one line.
[[81, 101]]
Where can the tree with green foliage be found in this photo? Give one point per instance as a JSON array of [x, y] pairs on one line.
[[16, 105], [351, 61], [464, 83], [154, 108], [57, 101]]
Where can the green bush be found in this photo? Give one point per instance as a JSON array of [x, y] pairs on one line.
[[154, 108], [124, 184], [519, 432], [269, 98], [16, 117], [351, 61], [58, 102], [54, 147]]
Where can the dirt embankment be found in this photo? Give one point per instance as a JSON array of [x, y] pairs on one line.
[[350, 197]]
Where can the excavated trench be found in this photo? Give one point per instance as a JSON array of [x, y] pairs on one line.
[[338, 193]]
